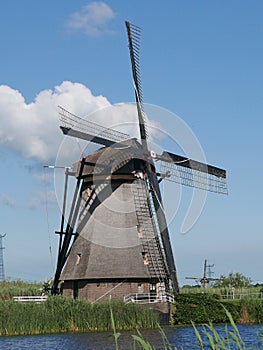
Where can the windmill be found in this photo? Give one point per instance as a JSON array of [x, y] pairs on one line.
[[206, 278], [116, 240]]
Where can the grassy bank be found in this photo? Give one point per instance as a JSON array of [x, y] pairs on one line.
[[9, 289], [226, 292], [59, 314]]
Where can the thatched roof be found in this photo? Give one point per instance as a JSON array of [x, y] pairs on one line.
[[108, 159], [111, 243]]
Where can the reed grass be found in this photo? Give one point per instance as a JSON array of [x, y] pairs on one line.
[[251, 310], [60, 314], [217, 341]]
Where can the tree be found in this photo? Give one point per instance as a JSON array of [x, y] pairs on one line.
[[234, 279]]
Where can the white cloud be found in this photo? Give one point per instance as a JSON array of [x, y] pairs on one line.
[[33, 129], [8, 201], [93, 19]]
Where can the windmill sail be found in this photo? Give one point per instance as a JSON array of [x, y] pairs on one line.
[[75, 126], [172, 167], [192, 173], [134, 37], [163, 230]]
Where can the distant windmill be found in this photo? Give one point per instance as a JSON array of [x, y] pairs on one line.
[[116, 240], [2, 268], [206, 279]]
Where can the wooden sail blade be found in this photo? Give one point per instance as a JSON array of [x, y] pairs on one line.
[[134, 37], [193, 178], [87, 137], [190, 163], [162, 227], [75, 126], [192, 173]]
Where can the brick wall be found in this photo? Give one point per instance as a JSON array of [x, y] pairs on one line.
[[104, 290]]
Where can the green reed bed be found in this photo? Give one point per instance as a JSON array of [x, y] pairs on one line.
[[59, 314]]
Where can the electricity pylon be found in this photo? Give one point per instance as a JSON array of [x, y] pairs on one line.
[[2, 269]]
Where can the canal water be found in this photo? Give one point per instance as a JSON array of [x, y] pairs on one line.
[[179, 338]]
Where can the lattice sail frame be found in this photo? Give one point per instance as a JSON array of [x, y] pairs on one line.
[[193, 178], [134, 39], [72, 121]]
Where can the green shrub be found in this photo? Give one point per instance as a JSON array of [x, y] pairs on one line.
[[202, 308]]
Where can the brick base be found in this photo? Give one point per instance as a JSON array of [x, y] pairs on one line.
[[102, 291]]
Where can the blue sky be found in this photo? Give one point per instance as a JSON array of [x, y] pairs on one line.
[[201, 60]]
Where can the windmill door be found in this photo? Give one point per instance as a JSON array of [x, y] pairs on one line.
[[152, 291]]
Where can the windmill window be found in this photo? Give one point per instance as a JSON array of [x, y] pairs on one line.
[[78, 258], [145, 258], [152, 287], [139, 287], [89, 190], [139, 174], [139, 229]]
